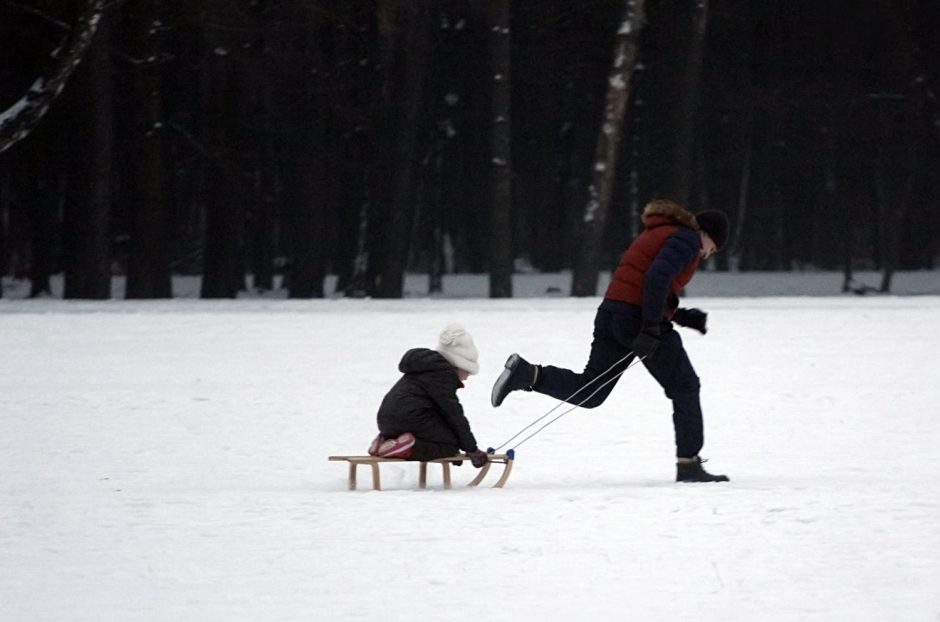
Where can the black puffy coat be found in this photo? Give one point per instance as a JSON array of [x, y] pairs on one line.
[[424, 402]]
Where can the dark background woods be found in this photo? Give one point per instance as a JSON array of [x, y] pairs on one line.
[[366, 138]]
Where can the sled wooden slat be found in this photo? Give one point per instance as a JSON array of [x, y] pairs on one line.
[[373, 462]]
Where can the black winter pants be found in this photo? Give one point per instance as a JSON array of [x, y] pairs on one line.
[[614, 333]]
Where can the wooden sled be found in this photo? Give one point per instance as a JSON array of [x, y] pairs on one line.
[[374, 462]]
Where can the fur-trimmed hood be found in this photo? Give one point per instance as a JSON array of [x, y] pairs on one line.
[[666, 209]]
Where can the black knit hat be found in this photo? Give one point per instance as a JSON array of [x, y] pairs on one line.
[[715, 224]]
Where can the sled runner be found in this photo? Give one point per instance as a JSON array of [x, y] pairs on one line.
[[505, 459]]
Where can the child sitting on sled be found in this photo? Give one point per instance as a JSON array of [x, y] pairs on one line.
[[420, 417]]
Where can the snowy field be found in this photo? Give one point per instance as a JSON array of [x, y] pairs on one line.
[[167, 461]]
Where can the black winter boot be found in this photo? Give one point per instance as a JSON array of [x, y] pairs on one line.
[[518, 375], [690, 470]]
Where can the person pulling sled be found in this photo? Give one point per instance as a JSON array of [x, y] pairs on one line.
[[635, 319]]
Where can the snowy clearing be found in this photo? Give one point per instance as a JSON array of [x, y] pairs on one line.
[[167, 461]]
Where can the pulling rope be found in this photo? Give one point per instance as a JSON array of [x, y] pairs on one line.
[[568, 401]]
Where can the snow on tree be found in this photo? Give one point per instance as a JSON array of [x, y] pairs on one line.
[[17, 121]]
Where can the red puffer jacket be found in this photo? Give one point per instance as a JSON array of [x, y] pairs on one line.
[[659, 263]]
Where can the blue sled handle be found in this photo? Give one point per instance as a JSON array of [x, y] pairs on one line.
[[510, 453]]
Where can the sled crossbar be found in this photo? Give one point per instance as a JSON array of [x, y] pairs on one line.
[[356, 461]]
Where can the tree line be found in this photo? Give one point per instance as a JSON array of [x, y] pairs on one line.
[[369, 138]]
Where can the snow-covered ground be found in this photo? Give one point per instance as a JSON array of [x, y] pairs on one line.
[[168, 461]]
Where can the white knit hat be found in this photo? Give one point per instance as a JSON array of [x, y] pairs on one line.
[[456, 345]]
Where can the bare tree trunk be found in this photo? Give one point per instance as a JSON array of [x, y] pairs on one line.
[[222, 276], [261, 213], [584, 280], [432, 200], [898, 138], [19, 120], [501, 255], [46, 154], [263, 218], [148, 270], [778, 215], [847, 274], [5, 228], [907, 55], [303, 201], [636, 204], [359, 285], [436, 270], [833, 201], [679, 185], [886, 225], [894, 181], [88, 206], [744, 190], [47, 223], [403, 28], [305, 181]]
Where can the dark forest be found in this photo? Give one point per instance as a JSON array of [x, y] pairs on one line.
[[270, 141]]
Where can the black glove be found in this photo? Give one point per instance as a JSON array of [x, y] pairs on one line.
[[478, 458], [646, 342], [691, 318]]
